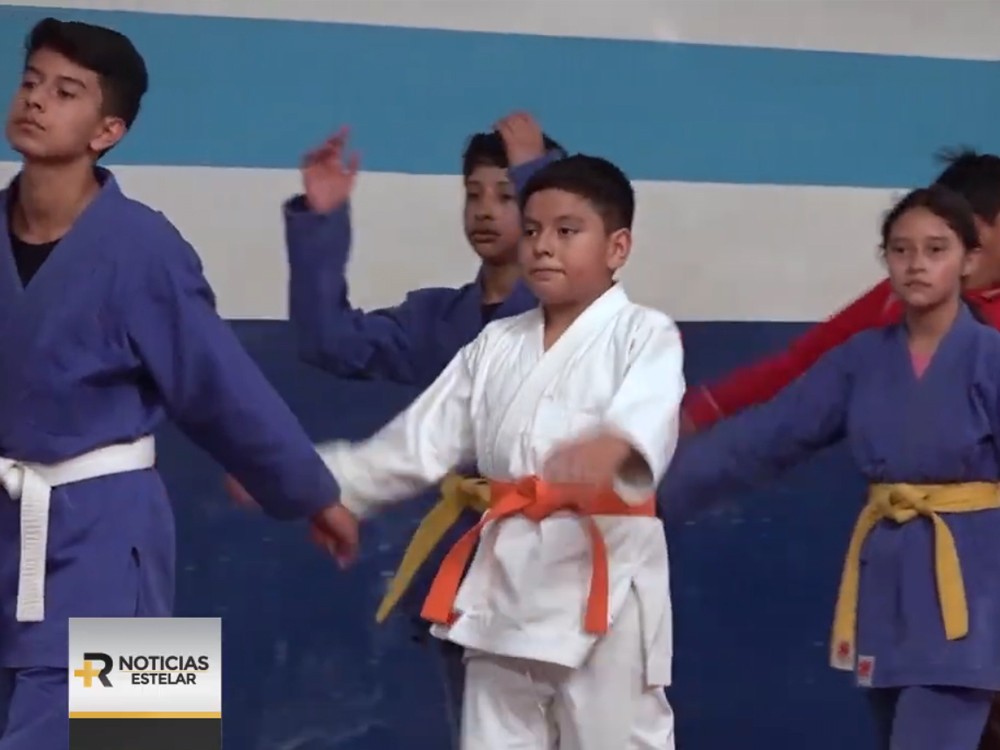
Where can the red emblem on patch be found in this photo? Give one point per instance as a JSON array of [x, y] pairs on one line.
[[843, 650], [866, 667]]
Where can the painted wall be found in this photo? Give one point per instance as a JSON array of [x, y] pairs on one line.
[[766, 139]]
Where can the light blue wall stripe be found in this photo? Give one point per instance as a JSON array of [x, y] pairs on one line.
[[254, 93]]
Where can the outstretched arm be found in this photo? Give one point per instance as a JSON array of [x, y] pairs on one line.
[[211, 387], [333, 334], [763, 442], [761, 381], [414, 450]]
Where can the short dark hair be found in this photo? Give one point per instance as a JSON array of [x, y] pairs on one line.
[[976, 177], [108, 53], [948, 205], [592, 178], [487, 150]]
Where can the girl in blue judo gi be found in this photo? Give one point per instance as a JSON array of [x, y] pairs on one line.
[[917, 617], [107, 326]]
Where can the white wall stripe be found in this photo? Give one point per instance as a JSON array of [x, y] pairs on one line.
[[703, 251], [933, 28]]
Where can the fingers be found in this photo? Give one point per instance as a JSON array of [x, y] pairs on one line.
[[346, 553], [353, 164], [592, 461], [522, 138], [343, 550], [340, 137], [330, 150], [569, 465], [519, 126], [336, 142], [514, 123], [238, 494], [503, 127], [336, 532], [556, 466], [319, 537]]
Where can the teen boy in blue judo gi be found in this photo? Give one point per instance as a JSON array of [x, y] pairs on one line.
[[106, 326]]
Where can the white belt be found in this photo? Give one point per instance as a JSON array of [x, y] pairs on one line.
[[32, 484]]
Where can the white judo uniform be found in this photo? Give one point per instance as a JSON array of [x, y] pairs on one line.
[[535, 677]]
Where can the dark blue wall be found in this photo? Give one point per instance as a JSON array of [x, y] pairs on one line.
[[307, 669]]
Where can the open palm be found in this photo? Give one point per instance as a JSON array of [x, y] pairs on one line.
[[326, 179]]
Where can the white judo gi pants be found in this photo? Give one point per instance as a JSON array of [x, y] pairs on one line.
[[519, 704]]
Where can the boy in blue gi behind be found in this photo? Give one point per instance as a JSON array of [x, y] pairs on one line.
[[413, 341], [107, 325]]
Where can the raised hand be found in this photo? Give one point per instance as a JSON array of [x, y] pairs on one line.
[[522, 138], [326, 179]]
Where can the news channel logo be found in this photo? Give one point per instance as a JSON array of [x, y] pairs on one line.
[[154, 667]]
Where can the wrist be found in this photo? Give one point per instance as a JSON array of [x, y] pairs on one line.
[[355, 507], [518, 158]]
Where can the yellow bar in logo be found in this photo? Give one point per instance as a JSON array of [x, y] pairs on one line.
[[145, 715]]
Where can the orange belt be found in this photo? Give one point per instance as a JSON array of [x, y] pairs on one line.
[[536, 500]]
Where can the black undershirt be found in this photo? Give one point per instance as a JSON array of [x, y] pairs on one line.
[[489, 311], [27, 257]]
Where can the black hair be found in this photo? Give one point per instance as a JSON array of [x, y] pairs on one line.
[[976, 177], [488, 150], [592, 178], [108, 53], [949, 206]]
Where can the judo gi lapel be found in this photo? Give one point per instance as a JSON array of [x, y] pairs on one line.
[[75, 258], [72, 263], [10, 281], [467, 315], [91, 225], [520, 300], [465, 319], [949, 353], [915, 412], [83, 244], [551, 363], [960, 336]]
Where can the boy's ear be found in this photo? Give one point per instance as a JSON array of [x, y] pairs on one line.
[[109, 132], [619, 247]]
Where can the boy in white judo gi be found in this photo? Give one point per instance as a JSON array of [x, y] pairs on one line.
[[571, 411]]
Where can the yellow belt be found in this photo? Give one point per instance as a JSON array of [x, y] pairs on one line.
[[902, 503], [457, 494]]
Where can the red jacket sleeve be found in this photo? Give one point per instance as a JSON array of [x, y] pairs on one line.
[[987, 303], [760, 381]]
